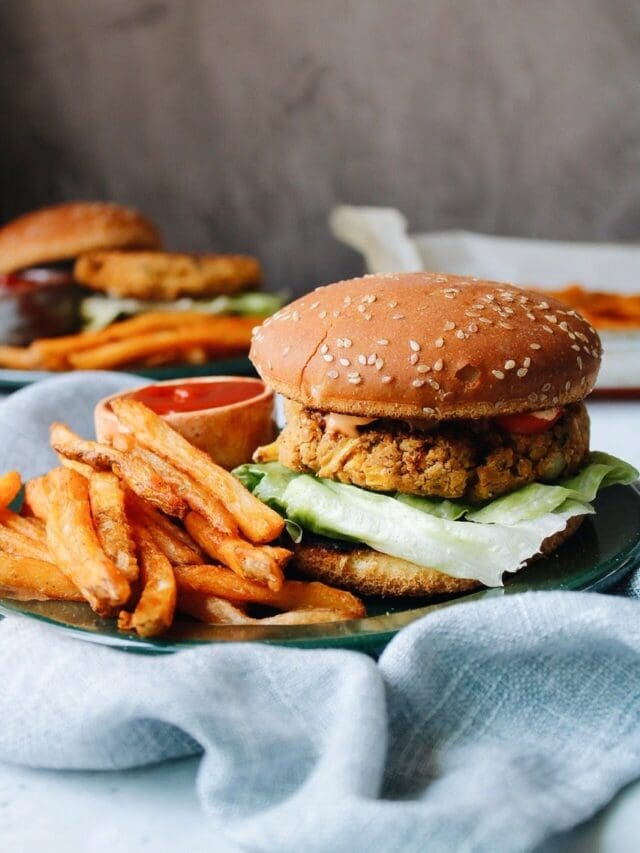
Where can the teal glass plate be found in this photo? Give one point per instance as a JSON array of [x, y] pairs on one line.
[[11, 380], [600, 554]]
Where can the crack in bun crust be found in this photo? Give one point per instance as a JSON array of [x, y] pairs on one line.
[[427, 345]]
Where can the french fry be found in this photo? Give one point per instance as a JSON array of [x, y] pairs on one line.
[[218, 611], [29, 579], [20, 358], [32, 528], [190, 491], [14, 542], [36, 498], [175, 543], [75, 546], [251, 562], [221, 336], [80, 467], [106, 498], [139, 476], [294, 595], [154, 612], [258, 522], [10, 485]]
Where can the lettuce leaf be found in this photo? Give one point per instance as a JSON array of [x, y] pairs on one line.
[[495, 539]]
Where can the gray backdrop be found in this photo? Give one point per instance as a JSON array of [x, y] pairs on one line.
[[238, 125]]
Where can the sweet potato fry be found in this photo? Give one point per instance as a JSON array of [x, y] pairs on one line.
[[14, 542], [10, 485], [218, 611], [138, 475], [189, 490], [36, 498], [32, 528], [254, 563], [106, 498], [74, 544], [221, 336], [294, 595], [154, 612], [175, 543], [258, 522], [29, 579]]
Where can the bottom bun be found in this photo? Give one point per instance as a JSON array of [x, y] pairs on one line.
[[361, 569]]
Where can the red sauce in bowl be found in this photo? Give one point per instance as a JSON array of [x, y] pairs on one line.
[[194, 396]]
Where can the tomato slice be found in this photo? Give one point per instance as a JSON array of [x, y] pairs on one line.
[[530, 422]]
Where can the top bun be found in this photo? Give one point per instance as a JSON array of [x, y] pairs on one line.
[[427, 345], [65, 231]]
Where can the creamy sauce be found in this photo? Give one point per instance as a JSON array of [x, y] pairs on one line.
[[345, 424]]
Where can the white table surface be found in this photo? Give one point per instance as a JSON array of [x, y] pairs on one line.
[[156, 809]]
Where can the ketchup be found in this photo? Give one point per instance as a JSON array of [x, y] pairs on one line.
[[193, 396], [31, 279]]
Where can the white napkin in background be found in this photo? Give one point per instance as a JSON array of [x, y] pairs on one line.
[[486, 726]]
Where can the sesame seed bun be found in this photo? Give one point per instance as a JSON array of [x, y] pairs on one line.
[[368, 572], [65, 231], [427, 345]]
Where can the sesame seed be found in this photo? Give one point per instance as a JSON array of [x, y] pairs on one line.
[[370, 299], [435, 385], [328, 357], [427, 410], [295, 316], [362, 308], [486, 321], [355, 380], [286, 350], [345, 362], [322, 315], [379, 364], [449, 326], [386, 379], [535, 346], [366, 316], [438, 365], [531, 316], [398, 317], [460, 334], [498, 374], [575, 347], [543, 305], [362, 359], [372, 358], [564, 326], [313, 307], [413, 358], [504, 325], [423, 368], [509, 364], [383, 342], [324, 348], [336, 313], [473, 327], [347, 300], [546, 386], [533, 397], [478, 306], [521, 372], [508, 310], [548, 329], [567, 385], [579, 362], [332, 374], [393, 304], [418, 383], [439, 343], [269, 365], [527, 361], [415, 346], [551, 318], [450, 296]]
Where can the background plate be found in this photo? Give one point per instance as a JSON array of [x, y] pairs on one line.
[[602, 552], [11, 380]]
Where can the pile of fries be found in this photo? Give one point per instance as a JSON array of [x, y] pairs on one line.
[[150, 340], [606, 311], [151, 526]]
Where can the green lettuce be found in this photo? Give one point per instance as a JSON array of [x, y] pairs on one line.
[[496, 538]]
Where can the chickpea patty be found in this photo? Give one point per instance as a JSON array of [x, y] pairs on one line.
[[470, 460]]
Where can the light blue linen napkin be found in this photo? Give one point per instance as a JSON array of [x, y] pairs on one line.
[[486, 726]]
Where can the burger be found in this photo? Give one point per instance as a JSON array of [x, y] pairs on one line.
[[83, 265], [436, 435]]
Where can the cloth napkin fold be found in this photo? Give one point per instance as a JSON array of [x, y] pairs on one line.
[[488, 725]]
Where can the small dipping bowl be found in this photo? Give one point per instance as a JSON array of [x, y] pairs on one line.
[[226, 416]]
